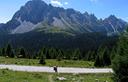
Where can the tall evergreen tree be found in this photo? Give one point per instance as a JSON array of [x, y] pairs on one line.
[[106, 57], [22, 53], [97, 62], [42, 59], [90, 56], [99, 57], [9, 51], [120, 62], [53, 53], [3, 52], [113, 53], [76, 54], [12, 55], [60, 55]]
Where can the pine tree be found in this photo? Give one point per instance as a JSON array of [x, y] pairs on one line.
[[99, 57], [12, 55], [22, 53], [106, 57], [97, 61], [9, 51], [3, 52], [53, 53], [88, 55], [76, 54], [113, 54], [91, 56], [60, 56], [42, 59]]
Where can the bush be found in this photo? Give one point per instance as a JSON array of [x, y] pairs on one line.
[[42, 59]]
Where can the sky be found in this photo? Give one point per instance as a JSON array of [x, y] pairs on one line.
[[101, 8]]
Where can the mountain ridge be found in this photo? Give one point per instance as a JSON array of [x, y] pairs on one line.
[[37, 14]]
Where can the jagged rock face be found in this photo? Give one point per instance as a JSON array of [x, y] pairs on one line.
[[113, 24], [37, 14], [1, 25], [34, 11]]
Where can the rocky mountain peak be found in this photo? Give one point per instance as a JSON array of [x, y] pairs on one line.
[[32, 11], [112, 17]]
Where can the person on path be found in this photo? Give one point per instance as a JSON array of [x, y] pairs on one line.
[[55, 69]]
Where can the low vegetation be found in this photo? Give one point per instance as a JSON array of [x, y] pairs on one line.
[[10, 76], [49, 62]]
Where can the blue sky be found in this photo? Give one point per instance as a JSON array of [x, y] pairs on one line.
[[101, 8]]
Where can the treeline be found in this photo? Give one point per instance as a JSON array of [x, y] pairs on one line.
[[9, 51], [102, 57], [49, 53]]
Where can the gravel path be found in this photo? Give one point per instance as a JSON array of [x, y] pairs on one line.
[[50, 69]]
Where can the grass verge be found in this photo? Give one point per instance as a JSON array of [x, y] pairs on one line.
[[11, 76], [51, 62]]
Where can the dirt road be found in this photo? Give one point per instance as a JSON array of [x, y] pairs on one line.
[[60, 69]]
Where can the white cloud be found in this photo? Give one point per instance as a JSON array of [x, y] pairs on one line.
[[66, 3], [4, 19], [56, 3]]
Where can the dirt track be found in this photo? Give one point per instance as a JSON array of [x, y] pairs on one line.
[[60, 69]]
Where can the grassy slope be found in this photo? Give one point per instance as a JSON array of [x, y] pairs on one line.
[[35, 62], [10, 76]]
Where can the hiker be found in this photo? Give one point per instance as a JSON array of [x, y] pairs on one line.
[[55, 68]]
